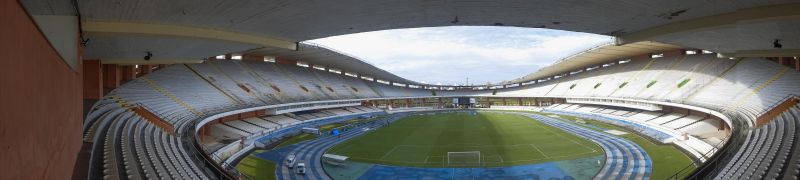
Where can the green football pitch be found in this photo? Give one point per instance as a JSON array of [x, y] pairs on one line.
[[502, 140]]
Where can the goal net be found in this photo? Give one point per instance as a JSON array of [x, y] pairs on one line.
[[467, 158]]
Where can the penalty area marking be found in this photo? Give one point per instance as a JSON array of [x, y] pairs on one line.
[[540, 151], [387, 153]]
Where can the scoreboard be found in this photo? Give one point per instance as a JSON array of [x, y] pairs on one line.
[[463, 101]]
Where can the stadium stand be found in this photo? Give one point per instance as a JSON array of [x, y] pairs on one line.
[[661, 126], [767, 151], [182, 94]]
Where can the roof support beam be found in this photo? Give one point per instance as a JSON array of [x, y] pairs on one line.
[[150, 62], [128, 28], [764, 53], [750, 15]]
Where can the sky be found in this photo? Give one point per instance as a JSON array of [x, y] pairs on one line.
[[450, 55]]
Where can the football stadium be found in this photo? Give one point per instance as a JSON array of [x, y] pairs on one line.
[[248, 89]]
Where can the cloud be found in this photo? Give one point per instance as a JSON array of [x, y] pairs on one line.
[[448, 55]]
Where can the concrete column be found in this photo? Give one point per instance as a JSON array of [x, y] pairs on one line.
[[504, 102], [797, 64], [639, 57], [674, 53], [251, 57], [145, 69], [519, 100], [112, 75], [285, 61], [128, 73], [92, 79]]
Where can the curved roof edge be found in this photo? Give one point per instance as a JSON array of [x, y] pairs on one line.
[[317, 54], [601, 54]]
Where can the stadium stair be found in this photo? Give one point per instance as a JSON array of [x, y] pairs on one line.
[[171, 96]]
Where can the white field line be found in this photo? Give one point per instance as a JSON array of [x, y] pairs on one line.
[[387, 153], [570, 139], [540, 151]]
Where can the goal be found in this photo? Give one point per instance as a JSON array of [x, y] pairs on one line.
[[466, 158]]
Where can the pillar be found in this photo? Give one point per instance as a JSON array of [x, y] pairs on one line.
[[285, 61], [797, 64], [112, 75], [251, 57], [780, 60], [92, 79], [128, 73], [145, 69], [674, 53], [639, 57], [519, 100]]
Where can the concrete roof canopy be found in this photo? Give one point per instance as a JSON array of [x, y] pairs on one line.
[[178, 30]]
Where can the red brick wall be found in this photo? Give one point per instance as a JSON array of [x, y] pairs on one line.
[[40, 102]]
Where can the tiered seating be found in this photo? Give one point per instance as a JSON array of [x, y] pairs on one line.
[[261, 123], [646, 115], [703, 128], [244, 126], [738, 90], [287, 88], [768, 151], [182, 95], [220, 79], [306, 79], [681, 122], [656, 125], [248, 78], [227, 131], [282, 120], [338, 112], [666, 118], [135, 149]]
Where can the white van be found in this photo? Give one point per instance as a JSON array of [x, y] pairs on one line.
[[289, 161], [301, 168]]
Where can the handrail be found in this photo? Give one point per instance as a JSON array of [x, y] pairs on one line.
[[217, 170], [714, 164], [706, 154]]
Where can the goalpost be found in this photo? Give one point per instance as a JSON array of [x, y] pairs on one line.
[[466, 158]]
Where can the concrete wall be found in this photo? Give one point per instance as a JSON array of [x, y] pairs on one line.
[[40, 102]]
